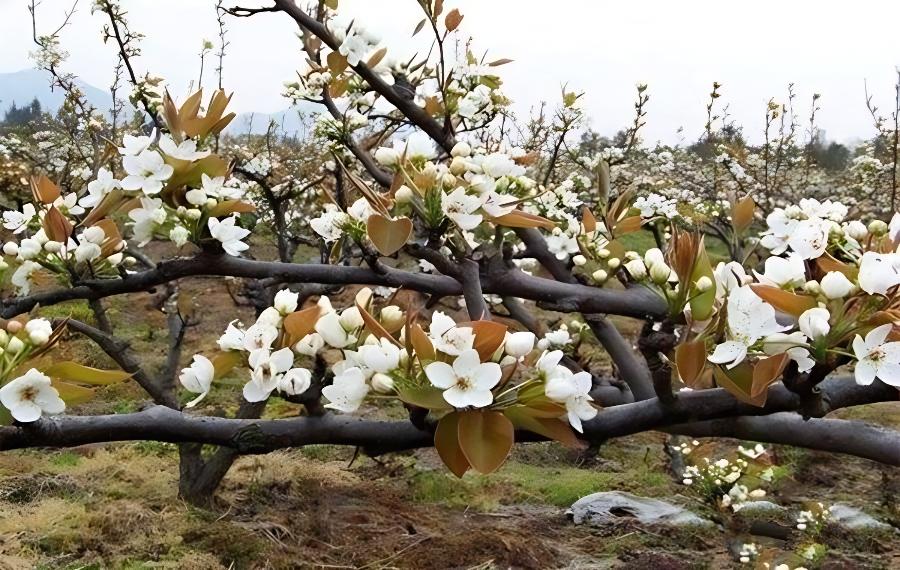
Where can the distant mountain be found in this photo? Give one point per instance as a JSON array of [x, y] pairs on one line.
[[289, 121], [20, 87]]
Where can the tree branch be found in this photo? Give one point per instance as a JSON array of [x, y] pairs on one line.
[[636, 302], [838, 436]]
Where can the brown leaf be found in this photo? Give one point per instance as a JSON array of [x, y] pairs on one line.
[[377, 57], [337, 63], [520, 219], [388, 235], [742, 214], [453, 19], [374, 326], [301, 323], [485, 438], [489, 335], [57, 226], [766, 372], [690, 359], [421, 343], [588, 220], [225, 362], [230, 207], [446, 441], [44, 190], [784, 301], [739, 382]]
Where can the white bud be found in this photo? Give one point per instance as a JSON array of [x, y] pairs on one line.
[[382, 383], [704, 284], [613, 263], [392, 317], [459, 165], [53, 247], [11, 248], [403, 195], [387, 156], [600, 276], [654, 256], [659, 273], [94, 234], [518, 344], [351, 319], [579, 260], [812, 287], [636, 269], [857, 230], [603, 253], [835, 285], [15, 345], [461, 148], [193, 214]]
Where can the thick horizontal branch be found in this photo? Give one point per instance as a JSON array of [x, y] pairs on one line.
[[637, 302], [258, 436], [836, 436]]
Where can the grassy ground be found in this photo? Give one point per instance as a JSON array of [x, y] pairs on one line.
[[115, 506]]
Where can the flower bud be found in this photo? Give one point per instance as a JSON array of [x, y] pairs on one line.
[[94, 234], [835, 285], [814, 323], [518, 344], [193, 214], [600, 276], [53, 247], [387, 156], [403, 195], [351, 319], [603, 253], [459, 165], [704, 284], [382, 383], [461, 148], [11, 248], [636, 269], [448, 180], [877, 228], [14, 327], [659, 273], [613, 263], [15, 345], [857, 230], [579, 260], [654, 256], [812, 287], [392, 317], [364, 297]]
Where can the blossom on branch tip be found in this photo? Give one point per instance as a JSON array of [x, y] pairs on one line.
[[468, 382]]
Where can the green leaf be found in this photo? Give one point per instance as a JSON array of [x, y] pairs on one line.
[[702, 303], [74, 372], [424, 396], [486, 438], [5, 417], [73, 394]]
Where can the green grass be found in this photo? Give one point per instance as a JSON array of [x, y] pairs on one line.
[[78, 310], [65, 459], [523, 483], [643, 240]]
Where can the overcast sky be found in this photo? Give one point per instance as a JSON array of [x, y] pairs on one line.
[[754, 48]]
